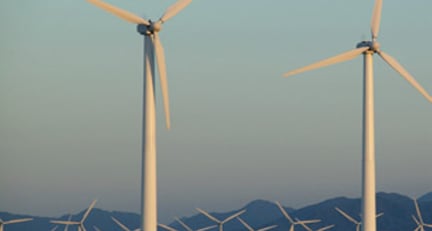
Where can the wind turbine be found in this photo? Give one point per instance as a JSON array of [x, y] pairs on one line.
[[122, 226], [152, 48], [294, 223], [220, 223], [15, 221], [368, 49], [252, 229], [79, 223], [188, 228], [356, 222], [419, 221]]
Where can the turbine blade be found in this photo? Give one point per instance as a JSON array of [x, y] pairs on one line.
[[167, 227], [326, 228], [347, 216], [96, 228], [233, 216], [376, 19], [174, 9], [65, 222], [267, 228], [310, 221], [208, 215], [120, 224], [183, 224], [408, 77], [415, 219], [284, 212], [379, 215], [245, 224], [54, 229], [88, 211], [17, 221], [419, 215], [119, 12], [330, 61], [160, 57], [207, 228], [428, 225], [304, 225]]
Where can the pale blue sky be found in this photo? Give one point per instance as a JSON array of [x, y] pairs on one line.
[[70, 98]]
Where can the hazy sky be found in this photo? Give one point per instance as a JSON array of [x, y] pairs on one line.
[[71, 90]]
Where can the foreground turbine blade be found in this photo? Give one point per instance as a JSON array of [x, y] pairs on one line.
[[119, 12], [233, 216], [284, 212], [160, 57], [398, 67], [17, 221], [347, 216], [208, 215], [174, 9], [376, 19], [120, 224], [330, 61], [88, 211]]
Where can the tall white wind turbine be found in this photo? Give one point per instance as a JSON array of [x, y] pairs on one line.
[[220, 223], [368, 49], [245, 224], [188, 228], [419, 220], [292, 222], [14, 221], [152, 49], [80, 223]]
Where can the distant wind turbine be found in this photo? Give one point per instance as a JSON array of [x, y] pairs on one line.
[[122, 226], [188, 228], [292, 222], [15, 221], [252, 229], [368, 49], [152, 48], [80, 223], [356, 222], [419, 220], [220, 223]]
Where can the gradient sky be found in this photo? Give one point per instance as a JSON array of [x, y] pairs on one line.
[[71, 90]]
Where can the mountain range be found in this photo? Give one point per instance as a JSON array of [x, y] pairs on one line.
[[397, 210]]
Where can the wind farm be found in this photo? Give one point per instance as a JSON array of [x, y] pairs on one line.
[[83, 107]]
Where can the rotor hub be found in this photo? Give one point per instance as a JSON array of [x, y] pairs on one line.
[[372, 45], [147, 30]]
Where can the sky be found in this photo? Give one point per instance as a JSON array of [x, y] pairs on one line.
[[71, 91]]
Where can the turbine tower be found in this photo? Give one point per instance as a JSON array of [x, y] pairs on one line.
[[220, 223], [152, 49], [252, 229], [15, 221], [419, 220], [79, 223], [294, 223], [368, 49], [188, 228]]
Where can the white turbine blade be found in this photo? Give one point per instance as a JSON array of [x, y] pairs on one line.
[[88, 211], [284, 212], [120, 224], [245, 224], [379, 215], [415, 219], [207, 228], [428, 225], [174, 9], [17, 221], [183, 224], [418, 228], [160, 57], [66, 222], [376, 19], [233, 216], [167, 227], [291, 227], [304, 225], [267, 228], [208, 215], [330, 61], [119, 12], [326, 228], [310, 221], [419, 215], [408, 77], [347, 216], [55, 228], [96, 228]]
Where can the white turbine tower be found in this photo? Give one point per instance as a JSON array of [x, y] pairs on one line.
[[152, 48], [80, 223], [122, 226], [252, 229], [356, 222], [419, 219], [220, 223], [188, 228], [368, 49], [292, 222], [14, 221]]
